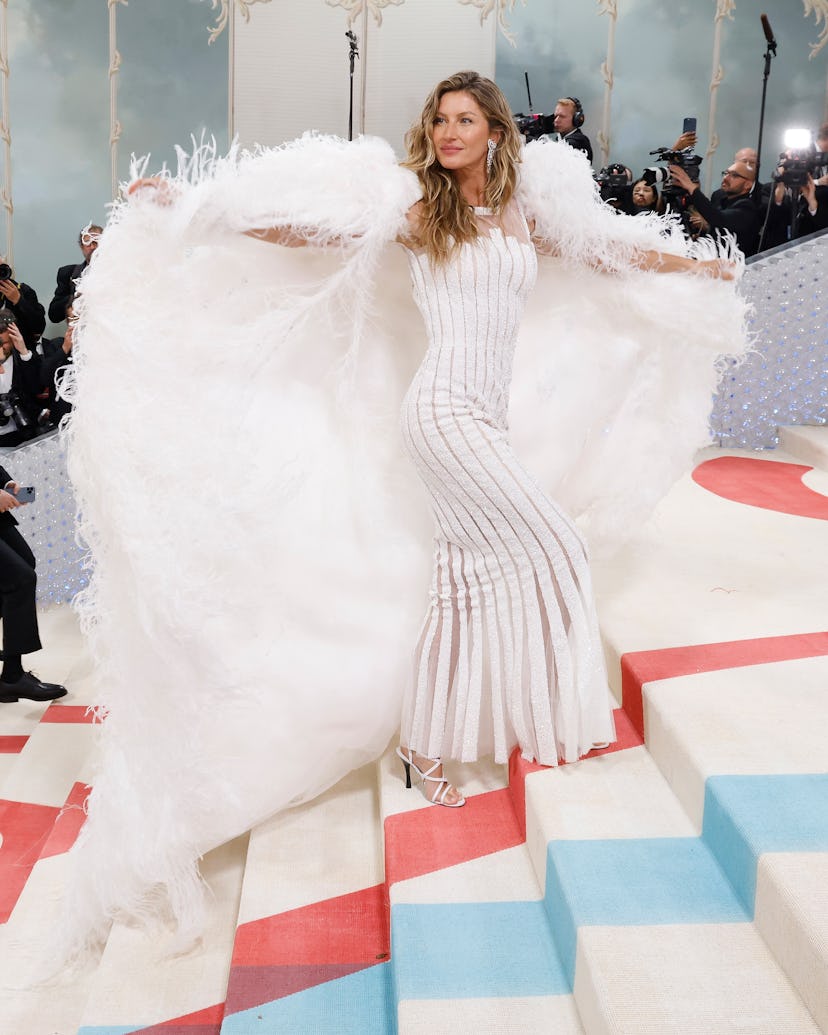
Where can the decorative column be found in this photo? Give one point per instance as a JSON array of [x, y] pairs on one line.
[[724, 9], [5, 133], [609, 7], [114, 69]]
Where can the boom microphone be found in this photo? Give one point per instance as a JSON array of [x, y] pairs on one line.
[[768, 33]]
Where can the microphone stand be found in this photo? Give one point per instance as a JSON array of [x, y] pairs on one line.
[[770, 53], [353, 54]]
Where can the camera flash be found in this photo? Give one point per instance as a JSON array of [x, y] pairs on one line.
[[797, 139]]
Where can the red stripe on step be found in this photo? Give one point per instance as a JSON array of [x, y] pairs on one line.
[[74, 713], [203, 1022], [627, 737], [24, 829], [12, 745], [640, 667], [69, 822], [434, 837], [349, 928], [253, 986], [768, 484]]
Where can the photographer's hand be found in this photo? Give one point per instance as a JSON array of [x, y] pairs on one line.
[[808, 192], [16, 339], [681, 179], [684, 141], [10, 290], [7, 501]]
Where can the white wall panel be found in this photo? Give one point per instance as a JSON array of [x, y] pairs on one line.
[[418, 44], [291, 66], [291, 72]]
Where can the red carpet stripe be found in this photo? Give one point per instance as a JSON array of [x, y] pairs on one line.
[[73, 713], [12, 745], [69, 822], [768, 484], [203, 1022], [432, 838], [24, 829], [640, 667]]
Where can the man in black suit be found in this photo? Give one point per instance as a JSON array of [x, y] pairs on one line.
[[734, 209], [21, 301], [567, 121], [18, 583], [67, 276], [20, 384]]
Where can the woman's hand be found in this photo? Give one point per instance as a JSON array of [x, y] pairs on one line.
[[159, 184], [722, 269]]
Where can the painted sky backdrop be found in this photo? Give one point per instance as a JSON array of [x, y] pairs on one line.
[[663, 65], [173, 84]]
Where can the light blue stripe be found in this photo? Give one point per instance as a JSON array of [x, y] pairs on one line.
[[628, 881], [474, 950], [745, 816], [359, 1004]]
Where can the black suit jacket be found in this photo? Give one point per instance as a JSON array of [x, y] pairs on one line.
[[740, 216], [64, 290]]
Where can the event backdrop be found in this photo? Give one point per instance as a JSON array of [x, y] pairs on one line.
[[87, 82]]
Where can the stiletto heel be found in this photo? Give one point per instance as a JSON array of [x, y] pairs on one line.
[[442, 785]]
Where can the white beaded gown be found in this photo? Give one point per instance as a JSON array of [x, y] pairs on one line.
[[509, 652]]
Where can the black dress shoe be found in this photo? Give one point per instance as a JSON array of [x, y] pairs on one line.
[[30, 688]]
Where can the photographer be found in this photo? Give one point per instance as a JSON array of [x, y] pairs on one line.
[[19, 384], [21, 301], [798, 209], [57, 356], [733, 210], [18, 583], [567, 121], [68, 276]]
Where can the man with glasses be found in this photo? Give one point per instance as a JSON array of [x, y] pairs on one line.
[[731, 209], [67, 276]]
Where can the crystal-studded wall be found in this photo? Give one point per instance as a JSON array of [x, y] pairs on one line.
[[785, 381], [48, 524]]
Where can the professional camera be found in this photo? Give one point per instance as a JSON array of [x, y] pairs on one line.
[[5, 271], [613, 183], [11, 409], [6, 319], [796, 166], [531, 126], [675, 197]]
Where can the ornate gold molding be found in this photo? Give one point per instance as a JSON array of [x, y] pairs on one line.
[[223, 16], [114, 69], [357, 8], [5, 133], [608, 7], [724, 9], [503, 8], [819, 9]]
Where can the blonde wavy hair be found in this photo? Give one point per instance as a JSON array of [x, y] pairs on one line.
[[447, 220]]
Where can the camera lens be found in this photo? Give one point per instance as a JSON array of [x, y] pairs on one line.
[[5, 271]]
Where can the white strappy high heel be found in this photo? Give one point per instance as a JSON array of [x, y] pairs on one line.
[[442, 785]]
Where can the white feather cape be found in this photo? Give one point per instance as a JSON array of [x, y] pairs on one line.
[[260, 549]]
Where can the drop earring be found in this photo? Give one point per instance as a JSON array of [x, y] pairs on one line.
[[492, 146]]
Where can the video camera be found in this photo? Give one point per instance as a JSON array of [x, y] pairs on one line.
[[613, 183], [796, 165], [675, 197], [531, 126]]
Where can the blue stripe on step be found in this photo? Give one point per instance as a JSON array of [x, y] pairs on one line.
[[628, 881], [745, 816], [474, 950], [360, 1002]]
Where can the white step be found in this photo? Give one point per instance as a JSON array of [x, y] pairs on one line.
[[806, 444], [649, 929]]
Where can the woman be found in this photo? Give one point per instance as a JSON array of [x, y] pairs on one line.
[[645, 198], [278, 573]]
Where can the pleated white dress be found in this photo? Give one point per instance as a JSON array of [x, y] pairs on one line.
[[509, 652]]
